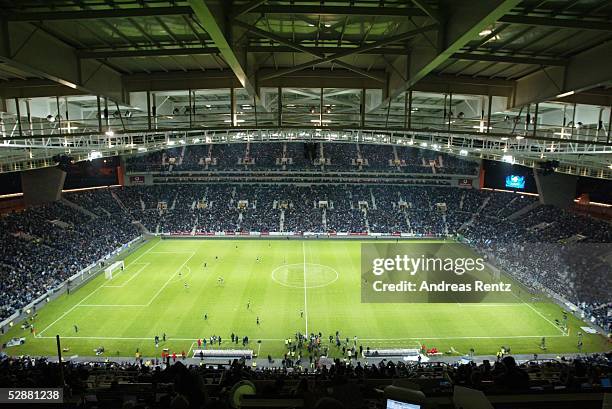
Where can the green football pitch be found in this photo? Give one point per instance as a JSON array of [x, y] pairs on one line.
[[292, 286]]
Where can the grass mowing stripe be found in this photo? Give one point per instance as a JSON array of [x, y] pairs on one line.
[[145, 265], [305, 287], [69, 310]]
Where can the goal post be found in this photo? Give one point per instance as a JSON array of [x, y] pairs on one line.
[[117, 265]]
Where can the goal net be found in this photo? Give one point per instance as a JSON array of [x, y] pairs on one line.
[[117, 265]]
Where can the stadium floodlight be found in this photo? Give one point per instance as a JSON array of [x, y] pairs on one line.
[[565, 94], [463, 152], [508, 158]]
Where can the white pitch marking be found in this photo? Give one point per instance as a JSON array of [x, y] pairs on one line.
[[184, 276], [93, 292], [69, 310], [145, 265], [305, 291], [363, 339], [171, 277]]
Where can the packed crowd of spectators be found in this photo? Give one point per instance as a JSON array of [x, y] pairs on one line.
[[549, 249], [301, 210], [266, 156], [327, 384], [377, 156], [340, 155], [299, 157], [258, 213]]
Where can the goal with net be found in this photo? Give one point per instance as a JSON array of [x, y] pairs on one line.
[[117, 265]]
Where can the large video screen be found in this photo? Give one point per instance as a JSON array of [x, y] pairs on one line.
[[515, 182], [496, 176]]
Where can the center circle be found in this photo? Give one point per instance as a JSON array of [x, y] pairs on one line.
[[304, 275]]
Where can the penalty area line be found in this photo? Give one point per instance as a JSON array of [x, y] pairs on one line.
[[191, 348], [93, 292], [170, 279]]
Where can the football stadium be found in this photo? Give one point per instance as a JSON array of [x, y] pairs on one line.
[[399, 204]]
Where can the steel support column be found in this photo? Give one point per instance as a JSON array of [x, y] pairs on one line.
[[217, 34], [465, 20]]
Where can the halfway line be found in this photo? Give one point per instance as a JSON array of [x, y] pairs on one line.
[[305, 286]]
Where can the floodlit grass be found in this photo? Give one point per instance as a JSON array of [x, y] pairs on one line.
[[165, 288]]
